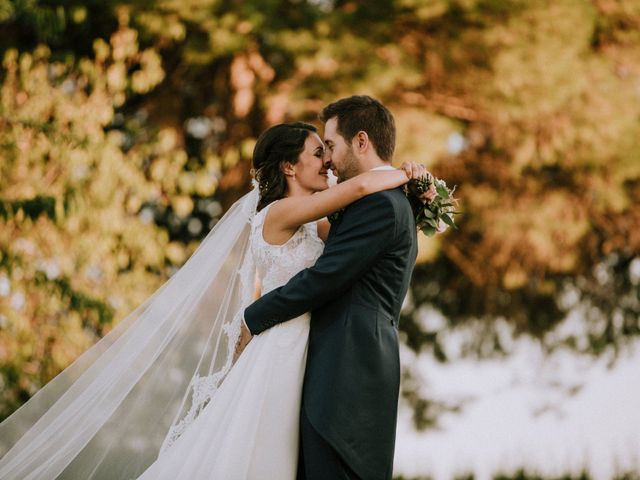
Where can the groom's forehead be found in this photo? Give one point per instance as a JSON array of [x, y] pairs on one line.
[[331, 125], [330, 131]]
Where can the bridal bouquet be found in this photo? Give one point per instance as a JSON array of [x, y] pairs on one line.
[[436, 215]]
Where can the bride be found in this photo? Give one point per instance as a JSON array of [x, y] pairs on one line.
[[165, 394]]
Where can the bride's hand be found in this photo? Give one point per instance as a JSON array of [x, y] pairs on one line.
[[416, 171], [412, 169]]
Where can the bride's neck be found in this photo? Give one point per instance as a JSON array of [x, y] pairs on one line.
[[295, 190]]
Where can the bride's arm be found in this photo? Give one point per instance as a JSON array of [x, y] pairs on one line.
[[289, 213]]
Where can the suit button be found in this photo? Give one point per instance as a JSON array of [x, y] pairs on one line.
[[393, 323]]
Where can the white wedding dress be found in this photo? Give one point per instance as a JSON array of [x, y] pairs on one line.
[[249, 429]]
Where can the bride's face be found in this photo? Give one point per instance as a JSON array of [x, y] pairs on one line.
[[311, 172]]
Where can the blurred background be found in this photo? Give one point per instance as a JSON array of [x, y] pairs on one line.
[[126, 131]]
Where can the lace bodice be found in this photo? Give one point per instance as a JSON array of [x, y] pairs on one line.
[[276, 264]]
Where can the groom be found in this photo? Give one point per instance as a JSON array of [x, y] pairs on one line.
[[354, 293]]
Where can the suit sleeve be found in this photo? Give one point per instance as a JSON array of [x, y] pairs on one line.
[[364, 234]]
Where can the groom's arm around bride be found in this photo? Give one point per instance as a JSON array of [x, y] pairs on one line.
[[365, 231]]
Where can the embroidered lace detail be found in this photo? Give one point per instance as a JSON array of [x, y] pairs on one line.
[[276, 264], [202, 388]]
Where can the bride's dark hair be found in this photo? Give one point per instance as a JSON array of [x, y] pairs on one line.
[[279, 144]]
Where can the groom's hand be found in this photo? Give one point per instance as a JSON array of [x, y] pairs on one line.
[[243, 341]]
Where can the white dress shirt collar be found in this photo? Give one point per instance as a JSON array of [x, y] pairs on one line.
[[383, 167]]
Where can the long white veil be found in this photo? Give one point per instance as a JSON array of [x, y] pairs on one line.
[[126, 399]]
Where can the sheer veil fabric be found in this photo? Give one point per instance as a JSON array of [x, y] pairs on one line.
[[130, 396]]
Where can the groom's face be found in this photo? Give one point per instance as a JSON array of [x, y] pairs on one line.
[[339, 153]]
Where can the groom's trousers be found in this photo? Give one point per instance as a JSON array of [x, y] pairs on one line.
[[317, 459]]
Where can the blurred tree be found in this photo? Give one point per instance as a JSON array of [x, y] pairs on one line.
[[531, 108], [548, 174], [76, 248]]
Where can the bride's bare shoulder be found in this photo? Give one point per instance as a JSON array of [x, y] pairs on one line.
[[273, 231]]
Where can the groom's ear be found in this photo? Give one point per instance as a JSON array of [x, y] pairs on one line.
[[360, 141]]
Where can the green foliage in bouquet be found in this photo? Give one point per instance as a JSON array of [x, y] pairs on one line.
[[436, 215]]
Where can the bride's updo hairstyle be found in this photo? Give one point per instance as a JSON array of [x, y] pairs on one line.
[[279, 144]]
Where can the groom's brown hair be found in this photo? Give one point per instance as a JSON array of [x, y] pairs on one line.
[[364, 113]]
